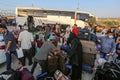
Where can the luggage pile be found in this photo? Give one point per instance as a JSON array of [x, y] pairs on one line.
[[89, 55], [19, 74], [88, 41], [85, 34], [110, 71], [56, 63]]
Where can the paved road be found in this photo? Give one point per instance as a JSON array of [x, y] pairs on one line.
[[15, 65]]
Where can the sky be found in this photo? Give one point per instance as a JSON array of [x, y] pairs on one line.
[[99, 8]]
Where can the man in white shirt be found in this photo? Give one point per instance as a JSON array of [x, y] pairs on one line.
[[25, 41]]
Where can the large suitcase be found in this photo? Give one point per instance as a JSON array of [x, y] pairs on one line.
[[89, 52], [56, 62], [61, 62], [52, 64]]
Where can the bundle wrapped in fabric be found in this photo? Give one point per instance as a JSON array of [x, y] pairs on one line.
[[60, 76]]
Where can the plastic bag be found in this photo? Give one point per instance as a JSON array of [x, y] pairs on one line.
[[20, 53]]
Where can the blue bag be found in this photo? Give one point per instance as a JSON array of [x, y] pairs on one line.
[[42, 75], [87, 68], [65, 48]]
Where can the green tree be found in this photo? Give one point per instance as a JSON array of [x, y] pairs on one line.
[[92, 21]]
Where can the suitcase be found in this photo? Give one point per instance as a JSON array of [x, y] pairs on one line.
[[26, 74], [52, 64], [61, 62], [89, 52]]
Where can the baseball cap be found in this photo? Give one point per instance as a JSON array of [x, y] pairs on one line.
[[52, 37], [108, 32]]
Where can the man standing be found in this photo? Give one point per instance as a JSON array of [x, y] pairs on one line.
[[108, 45], [10, 45], [25, 41]]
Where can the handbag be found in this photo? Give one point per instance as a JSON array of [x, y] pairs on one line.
[[20, 53]]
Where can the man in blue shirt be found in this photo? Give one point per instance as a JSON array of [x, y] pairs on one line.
[[108, 45], [10, 45]]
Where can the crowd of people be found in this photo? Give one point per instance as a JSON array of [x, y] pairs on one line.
[[48, 41]]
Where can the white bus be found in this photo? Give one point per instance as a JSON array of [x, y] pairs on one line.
[[49, 16]]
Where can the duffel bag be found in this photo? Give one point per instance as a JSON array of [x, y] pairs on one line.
[[26, 74], [87, 68], [84, 34]]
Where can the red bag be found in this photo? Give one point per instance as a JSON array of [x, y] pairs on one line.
[[39, 43], [26, 75]]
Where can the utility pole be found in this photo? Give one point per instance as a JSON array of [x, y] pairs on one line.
[[32, 5], [75, 16]]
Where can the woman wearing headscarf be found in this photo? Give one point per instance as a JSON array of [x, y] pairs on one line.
[[75, 56]]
